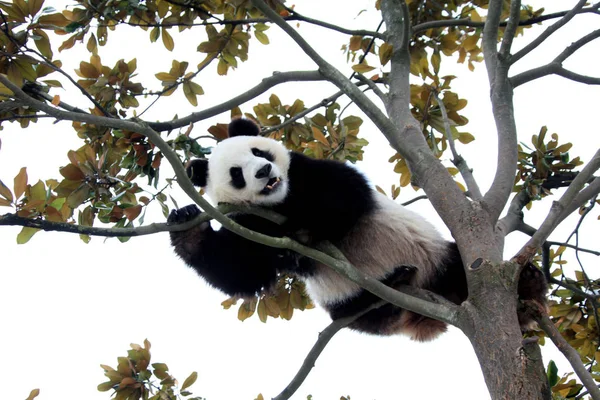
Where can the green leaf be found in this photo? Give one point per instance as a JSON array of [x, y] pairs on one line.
[[261, 37], [26, 234], [552, 373], [189, 381]]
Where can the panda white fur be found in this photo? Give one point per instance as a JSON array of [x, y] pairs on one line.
[[327, 200]]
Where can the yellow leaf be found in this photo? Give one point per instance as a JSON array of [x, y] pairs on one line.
[[20, 183], [465, 138], [167, 40], [318, 135], [470, 42], [222, 67], [56, 100], [189, 381], [262, 310], [362, 68], [34, 393], [189, 94], [385, 53]]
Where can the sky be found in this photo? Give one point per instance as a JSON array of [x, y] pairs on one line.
[[68, 307]]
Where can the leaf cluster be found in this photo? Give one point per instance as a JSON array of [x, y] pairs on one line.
[[136, 379], [289, 294]]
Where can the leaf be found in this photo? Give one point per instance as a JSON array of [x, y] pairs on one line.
[[385, 53], [167, 40], [26, 234], [465, 137], [55, 100], [189, 94], [355, 42], [318, 135], [362, 68], [20, 183], [552, 373], [5, 192], [132, 212], [261, 37], [189, 381], [33, 394]]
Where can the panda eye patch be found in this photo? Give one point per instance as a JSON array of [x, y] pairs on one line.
[[263, 154], [237, 177]]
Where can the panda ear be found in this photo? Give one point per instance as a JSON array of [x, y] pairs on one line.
[[197, 171], [243, 127]]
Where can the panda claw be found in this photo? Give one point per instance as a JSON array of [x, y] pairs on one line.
[[184, 214]]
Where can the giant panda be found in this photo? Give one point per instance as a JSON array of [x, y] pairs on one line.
[[321, 200]]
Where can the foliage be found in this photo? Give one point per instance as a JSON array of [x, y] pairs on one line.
[[115, 175], [136, 379]]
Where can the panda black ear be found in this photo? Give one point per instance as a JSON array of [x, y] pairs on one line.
[[197, 171], [243, 127]]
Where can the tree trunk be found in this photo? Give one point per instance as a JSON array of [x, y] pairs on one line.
[[512, 367]]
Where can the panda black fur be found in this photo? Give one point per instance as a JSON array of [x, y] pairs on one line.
[[327, 200]]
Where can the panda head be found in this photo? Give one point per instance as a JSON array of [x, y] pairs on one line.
[[244, 169]]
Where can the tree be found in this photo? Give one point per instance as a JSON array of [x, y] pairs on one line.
[[123, 145]]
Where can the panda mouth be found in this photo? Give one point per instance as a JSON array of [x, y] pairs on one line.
[[271, 185]]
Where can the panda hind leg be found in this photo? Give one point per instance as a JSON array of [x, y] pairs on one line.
[[532, 289]]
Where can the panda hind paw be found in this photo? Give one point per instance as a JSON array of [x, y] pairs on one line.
[[184, 214]]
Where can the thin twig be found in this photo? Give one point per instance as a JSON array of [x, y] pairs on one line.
[[570, 354], [324, 337], [549, 31], [267, 83], [561, 209], [467, 22], [457, 159]]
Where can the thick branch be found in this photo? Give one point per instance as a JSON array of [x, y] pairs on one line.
[[511, 28], [570, 354], [501, 96], [549, 31], [267, 83], [443, 312], [569, 201]]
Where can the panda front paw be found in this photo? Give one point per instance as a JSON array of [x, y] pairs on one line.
[[181, 215]]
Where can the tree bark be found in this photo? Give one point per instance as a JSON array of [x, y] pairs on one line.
[[512, 366]]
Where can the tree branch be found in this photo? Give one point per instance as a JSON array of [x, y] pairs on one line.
[[573, 197], [570, 354], [267, 83], [511, 28], [48, 226], [555, 67], [502, 105], [324, 337], [549, 31], [467, 22], [457, 159]]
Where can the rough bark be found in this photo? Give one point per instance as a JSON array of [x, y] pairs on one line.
[[512, 366]]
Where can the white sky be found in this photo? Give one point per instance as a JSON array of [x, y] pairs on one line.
[[68, 307]]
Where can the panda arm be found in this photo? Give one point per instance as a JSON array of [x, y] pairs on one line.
[[227, 261]]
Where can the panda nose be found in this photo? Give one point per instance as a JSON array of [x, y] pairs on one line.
[[263, 172]]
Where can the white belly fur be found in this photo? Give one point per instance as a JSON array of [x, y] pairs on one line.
[[390, 237]]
